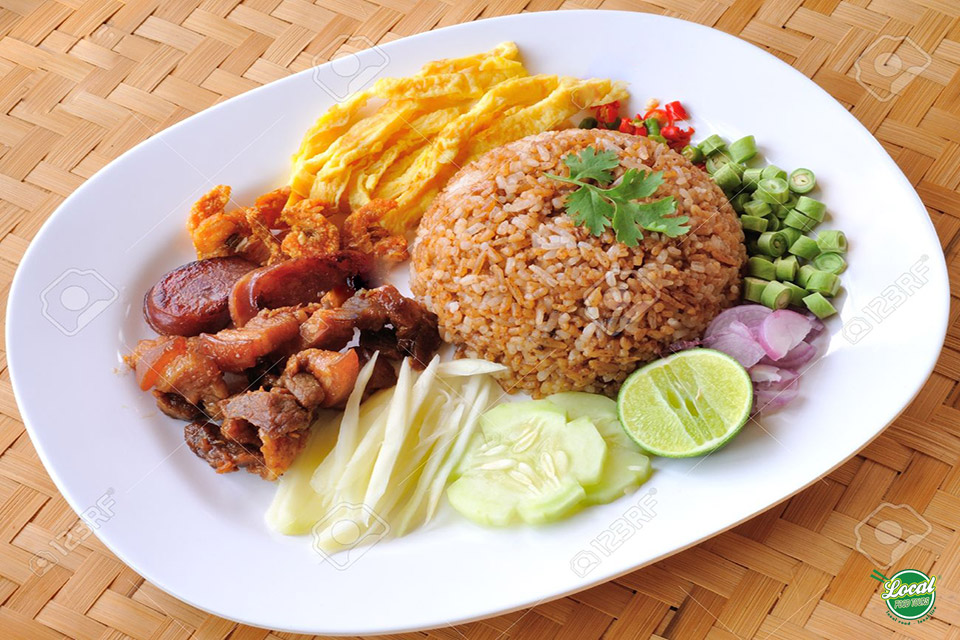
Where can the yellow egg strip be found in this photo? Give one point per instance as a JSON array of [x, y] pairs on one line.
[[570, 97]]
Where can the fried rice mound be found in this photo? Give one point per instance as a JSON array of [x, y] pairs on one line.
[[514, 280]]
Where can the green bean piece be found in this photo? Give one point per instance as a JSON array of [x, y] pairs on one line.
[[760, 256], [656, 137], [760, 268], [811, 208], [773, 171], [797, 294], [772, 243], [791, 233], [774, 223], [832, 240], [751, 177], [822, 282], [802, 181], [805, 247], [803, 274], [798, 220], [652, 125], [738, 201], [692, 153], [772, 191], [775, 295], [781, 209], [726, 177], [743, 149], [753, 288], [786, 267], [755, 207], [830, 262], [819, 306], [712, 144], [718, 160], [754, 223], [588, 123]]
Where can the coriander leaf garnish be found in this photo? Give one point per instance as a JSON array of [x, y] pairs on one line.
[[590, 165], [589, 209], [597, 208]]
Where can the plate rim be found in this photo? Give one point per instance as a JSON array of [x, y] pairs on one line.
[[602, 576]]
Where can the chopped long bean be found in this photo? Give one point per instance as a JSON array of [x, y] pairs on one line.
[[751, 177], [830, 262], [754, 223], [692, 153], [773, 243], [786, 267], [756, 207], [726, 176], [773, 171], [802, 181], [797, 293], [775, 295], [712, 144], [804, 247], [822, 282], [804, 273], [832, 240], [772, 190], [798, 220], [743, 149], [652, 125], [791, 233], [753, 288], [781, 209], [739, 200], [819, 306], [760, 268], [811, 208]]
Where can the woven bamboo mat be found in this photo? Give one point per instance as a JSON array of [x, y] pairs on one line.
[[83, 80]]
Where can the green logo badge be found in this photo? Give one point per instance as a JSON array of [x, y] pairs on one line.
[[909, 594]]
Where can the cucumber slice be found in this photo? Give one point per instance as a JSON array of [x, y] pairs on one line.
[[601, 410], [626, 467], [527, 463], [624, 471]]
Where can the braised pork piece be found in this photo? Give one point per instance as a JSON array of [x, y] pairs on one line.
[[282, 356]]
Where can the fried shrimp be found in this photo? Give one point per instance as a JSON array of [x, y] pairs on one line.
[[312, 233], [245, 232], [363, 232], [269, 206], [212, 203]]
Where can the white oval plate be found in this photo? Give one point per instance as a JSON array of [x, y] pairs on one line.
[[75, 305]]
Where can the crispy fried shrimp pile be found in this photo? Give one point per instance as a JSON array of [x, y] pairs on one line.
[[271, 231]]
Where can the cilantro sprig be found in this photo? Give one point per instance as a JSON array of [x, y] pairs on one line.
[[597, 206]]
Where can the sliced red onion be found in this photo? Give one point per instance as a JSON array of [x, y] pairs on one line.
[[737, 341], [765, 373], [751, 315], [796, 358], [774, 347], [781, 331], [770, 397]]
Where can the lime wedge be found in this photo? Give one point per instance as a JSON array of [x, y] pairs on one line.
[[687, 404]]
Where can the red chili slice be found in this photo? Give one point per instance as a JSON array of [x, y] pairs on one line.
[[675, 110]]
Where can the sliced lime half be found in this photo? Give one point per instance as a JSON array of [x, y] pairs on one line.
[[687, 404]]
